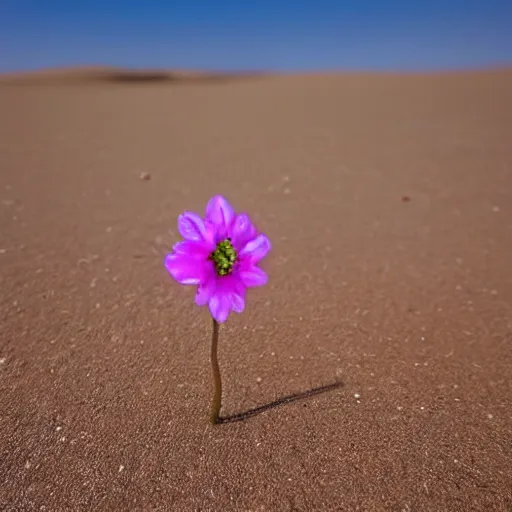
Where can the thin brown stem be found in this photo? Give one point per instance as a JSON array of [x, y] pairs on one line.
[[217, 384]]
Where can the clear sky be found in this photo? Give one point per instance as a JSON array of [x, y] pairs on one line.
[[286, 35]]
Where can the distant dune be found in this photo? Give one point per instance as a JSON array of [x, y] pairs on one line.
[[113, 75], [102, 75]]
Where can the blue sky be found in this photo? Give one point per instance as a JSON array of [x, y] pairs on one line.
[[280, 35]]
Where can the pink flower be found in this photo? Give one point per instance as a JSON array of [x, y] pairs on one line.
[[219, 254]]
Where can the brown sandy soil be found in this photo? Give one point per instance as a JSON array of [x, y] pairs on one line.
[[389, 203]]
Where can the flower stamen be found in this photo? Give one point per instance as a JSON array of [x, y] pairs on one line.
[[224, 257]]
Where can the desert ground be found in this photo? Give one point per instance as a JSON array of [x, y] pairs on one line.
[[388, 201]]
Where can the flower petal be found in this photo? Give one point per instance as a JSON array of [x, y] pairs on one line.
[[256, 249], [205, 291], [194, 249], [242, 230], [221, 213], [237, 303], [219, 307], [186, 270], [191, 226], [253, 276], [235, 290]]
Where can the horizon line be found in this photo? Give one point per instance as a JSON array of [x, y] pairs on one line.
[[112, 68]]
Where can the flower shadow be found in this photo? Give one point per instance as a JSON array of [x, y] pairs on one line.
[[241, 416]]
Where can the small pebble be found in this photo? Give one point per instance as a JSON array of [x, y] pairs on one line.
[[2, 360], [121, 467], [258, 379], [145, 176], [490, 416], [357, 396]]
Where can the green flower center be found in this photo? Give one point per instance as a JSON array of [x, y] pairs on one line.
[[224, 257]]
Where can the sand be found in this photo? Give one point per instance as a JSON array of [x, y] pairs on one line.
[[388, 200]]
